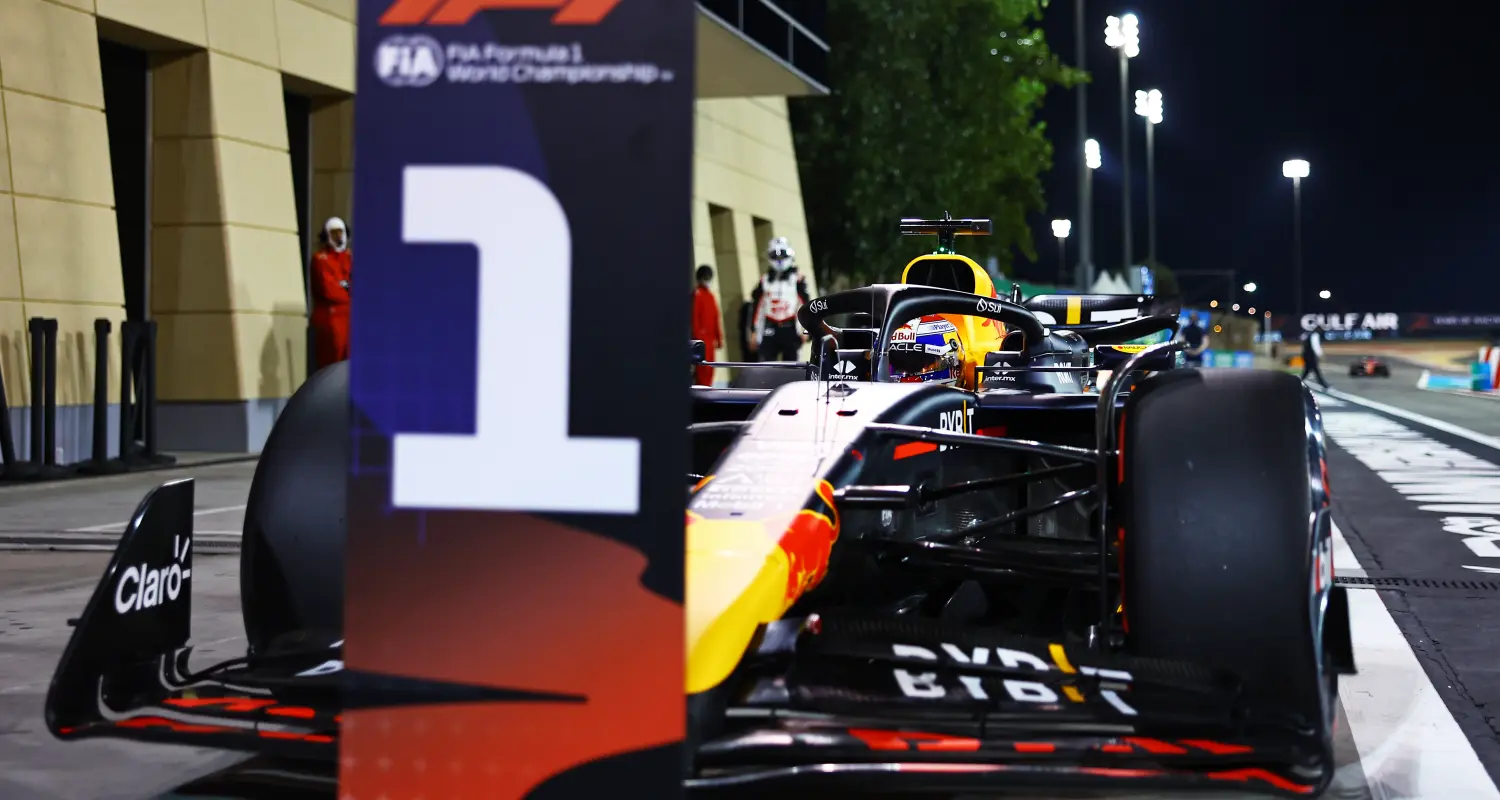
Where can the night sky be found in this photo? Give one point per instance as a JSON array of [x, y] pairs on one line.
[[1392, 103]]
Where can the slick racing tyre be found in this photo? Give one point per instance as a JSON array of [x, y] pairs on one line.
[[1227, 545], [292, 554]]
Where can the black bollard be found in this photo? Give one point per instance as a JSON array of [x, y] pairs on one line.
[[49, 417], [99, 463], [36, 326], [101, 392], [129, 336]]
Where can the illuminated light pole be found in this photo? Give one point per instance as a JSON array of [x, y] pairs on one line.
[[1061, 228], [1124, 35], [1148, 105], [1093, 160], [1297, 169], [1085, 176]]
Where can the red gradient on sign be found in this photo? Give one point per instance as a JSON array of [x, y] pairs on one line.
[[409, 12], [508, 601], [459, 12]]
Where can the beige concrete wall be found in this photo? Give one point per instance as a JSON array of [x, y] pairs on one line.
[[227, 285], [59, 252], [226, 279], [333, 161]]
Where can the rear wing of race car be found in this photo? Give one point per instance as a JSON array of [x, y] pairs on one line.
[[124, 673], [946, 229], [1080, 312]]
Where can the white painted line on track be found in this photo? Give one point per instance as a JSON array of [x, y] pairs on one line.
[[120, 526], [1463, 393], [1412, 416], [1409, 744]]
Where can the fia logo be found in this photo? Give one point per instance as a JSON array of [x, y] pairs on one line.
[[409, 61]]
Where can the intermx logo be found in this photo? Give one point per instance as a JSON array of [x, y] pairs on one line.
[[459, 12]]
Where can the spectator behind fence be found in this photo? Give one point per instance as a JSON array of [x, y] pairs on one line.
[[707, 325], [330, 293]]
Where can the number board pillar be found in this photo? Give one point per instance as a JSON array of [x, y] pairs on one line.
[[514, 578]]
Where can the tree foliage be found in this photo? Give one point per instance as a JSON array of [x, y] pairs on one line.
[[933, 109]]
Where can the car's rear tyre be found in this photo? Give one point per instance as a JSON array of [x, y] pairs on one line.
[[292, 553], [1226, 535]]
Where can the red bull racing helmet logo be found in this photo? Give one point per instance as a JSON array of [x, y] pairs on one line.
[[927, 350]]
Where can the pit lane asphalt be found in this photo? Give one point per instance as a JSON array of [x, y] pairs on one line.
[[1451, 622], [1479, 414], [40, 590]]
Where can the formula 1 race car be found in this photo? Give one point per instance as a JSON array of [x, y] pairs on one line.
[[960, 565], [1369, 366]]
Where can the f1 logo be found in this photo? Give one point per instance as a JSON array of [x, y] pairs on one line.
[[459, 12]]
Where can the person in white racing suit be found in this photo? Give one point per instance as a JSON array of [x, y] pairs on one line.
[[774, 334]]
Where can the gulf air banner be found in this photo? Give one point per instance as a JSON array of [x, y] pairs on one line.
[[1368, 325], [513, 622]]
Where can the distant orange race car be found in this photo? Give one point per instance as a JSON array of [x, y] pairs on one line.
[[1369, 366]]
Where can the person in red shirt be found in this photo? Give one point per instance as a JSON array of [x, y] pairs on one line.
[[706, 324], [330, 294]]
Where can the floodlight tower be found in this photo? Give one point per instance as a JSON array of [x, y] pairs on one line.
[[1061, 228], [1148, 105], [1092, 160], [1297, 169], [1124, 35]]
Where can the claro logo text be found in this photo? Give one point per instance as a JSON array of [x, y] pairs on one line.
[[142, 586]]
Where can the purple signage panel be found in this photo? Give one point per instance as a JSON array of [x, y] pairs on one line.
[[514, 580]]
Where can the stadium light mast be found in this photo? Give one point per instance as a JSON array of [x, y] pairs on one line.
[[1092, 159], [1061, 228], [1124, 35], [1148, 105], [1085, 176], [1297, 169]]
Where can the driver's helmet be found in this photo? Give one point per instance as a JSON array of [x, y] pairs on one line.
[[780, 256], [926, 350]]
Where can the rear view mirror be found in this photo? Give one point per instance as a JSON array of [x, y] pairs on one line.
[[697, 351]]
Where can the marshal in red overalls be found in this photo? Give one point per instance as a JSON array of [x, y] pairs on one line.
[[330, 294]]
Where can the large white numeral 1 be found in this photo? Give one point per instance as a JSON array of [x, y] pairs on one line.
[[520, 456]]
